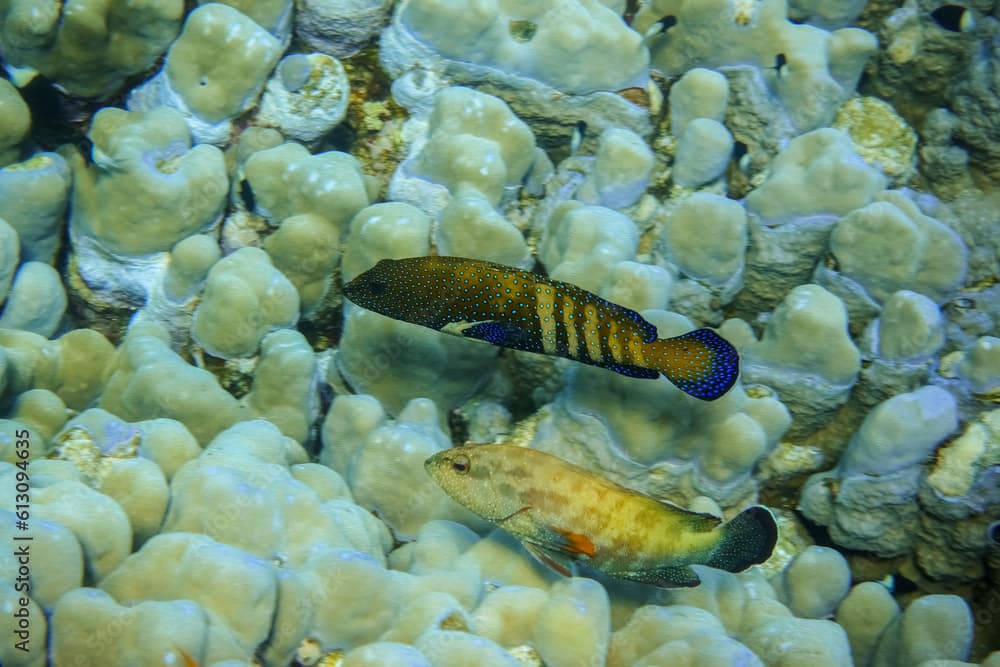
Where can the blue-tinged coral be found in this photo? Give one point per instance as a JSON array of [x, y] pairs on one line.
[[583, 244], [232, 470], [890, 245], [72, 365], [146, 189], [287, 180], [36, 300], [621, 170], [89, 48], [795, 187], [17, 122], [275, 16], [339, 27], [60, 566], [703, 151], [33, 198], [704, 238], [807, 355], [382, 460], [699, 93], [213, 71], [305, 249], [648, 434], [469, 227], [82, 616], [245, 298], [306, 97], [552, 60], [809, 70], [99, 523], [575, 47], [868, 500], [473, 146], [9, 257], [137, 387]]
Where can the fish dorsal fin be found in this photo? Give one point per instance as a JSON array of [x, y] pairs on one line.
[[701, 520]]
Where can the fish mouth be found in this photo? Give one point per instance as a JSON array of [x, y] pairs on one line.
[[431, 462]]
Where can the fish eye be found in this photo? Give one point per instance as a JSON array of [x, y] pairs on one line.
[[461, 464], [377, 287]]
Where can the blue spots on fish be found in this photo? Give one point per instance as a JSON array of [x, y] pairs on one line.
[[517, 309]]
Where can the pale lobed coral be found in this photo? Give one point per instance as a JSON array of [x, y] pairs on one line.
[[206, 84], [339, 27], [306, 97], [472, 145], [17, 122], [551, 61], [91, 48], [576, 47], [811, 71], [163, 480], [868, 499], [33, 199]]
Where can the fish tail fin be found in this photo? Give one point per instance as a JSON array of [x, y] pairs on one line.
[[747, 539], [701, 362]]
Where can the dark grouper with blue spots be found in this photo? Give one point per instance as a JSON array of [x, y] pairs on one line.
[[518, 309]]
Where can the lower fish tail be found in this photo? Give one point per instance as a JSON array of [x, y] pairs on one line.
[[701, 362], [748, 539]]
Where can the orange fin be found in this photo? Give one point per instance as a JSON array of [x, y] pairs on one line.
[[576, 543], [188, 660]]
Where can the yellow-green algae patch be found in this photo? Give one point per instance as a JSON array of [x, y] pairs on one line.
[[879, 135]]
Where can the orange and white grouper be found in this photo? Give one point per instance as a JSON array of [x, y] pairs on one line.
[[509, 307], [566, 516]]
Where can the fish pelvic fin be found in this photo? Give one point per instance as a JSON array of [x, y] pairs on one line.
[[502, 334], [556, 560], [701, 362], [748, 539], [673, 576]]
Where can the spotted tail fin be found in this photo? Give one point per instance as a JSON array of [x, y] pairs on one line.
[[748, 539], [701, 362]]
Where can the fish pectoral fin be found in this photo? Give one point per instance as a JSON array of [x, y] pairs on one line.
[[576, 544], [675, 576], [556, 560], [631, 371], [496, 332]]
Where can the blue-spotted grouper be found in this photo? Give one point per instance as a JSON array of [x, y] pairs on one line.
[[518, 309], [567, 516]]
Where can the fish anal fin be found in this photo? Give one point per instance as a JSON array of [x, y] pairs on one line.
[[559, 562], [676, 576], [577, 543]]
